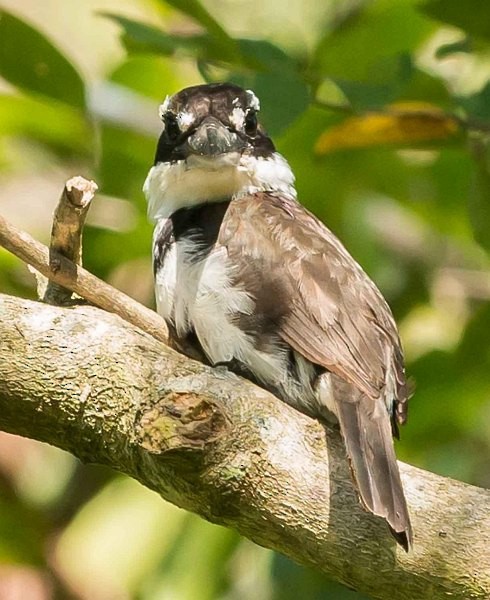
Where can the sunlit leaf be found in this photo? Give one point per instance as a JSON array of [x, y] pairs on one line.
[[255, 55], [403, 124], [381, 29], [50, 122], [208, 548], [152, 76], [29, 61], [147, 39], [472, 16], [196, 11]]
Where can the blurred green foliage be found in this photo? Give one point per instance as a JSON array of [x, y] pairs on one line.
[[79, 95]]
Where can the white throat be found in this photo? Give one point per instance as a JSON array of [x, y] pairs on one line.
[[187, 183]]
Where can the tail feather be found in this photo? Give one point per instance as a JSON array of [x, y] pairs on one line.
[[368, 439]]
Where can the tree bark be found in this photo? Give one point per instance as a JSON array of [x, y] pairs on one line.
[[90, 383]]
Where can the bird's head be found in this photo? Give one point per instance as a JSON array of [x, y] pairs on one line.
[[213, 123], [212, 148]]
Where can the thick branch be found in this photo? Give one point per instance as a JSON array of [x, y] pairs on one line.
[[88, 382]]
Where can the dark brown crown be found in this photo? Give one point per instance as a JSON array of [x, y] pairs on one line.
[[183, 112]]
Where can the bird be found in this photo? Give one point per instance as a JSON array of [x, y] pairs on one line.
[[246, 277]]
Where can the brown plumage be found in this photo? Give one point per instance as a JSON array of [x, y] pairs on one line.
[[248, 277], [330, 312]]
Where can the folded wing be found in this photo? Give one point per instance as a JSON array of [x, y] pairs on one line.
[[336, 318]]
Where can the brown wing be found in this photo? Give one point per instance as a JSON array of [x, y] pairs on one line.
[[335, 317], [314, 296]]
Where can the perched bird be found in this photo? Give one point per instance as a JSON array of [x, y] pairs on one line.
[[249, 278]]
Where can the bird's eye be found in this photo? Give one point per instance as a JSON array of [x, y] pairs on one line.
[[251, 123], [171, 126]]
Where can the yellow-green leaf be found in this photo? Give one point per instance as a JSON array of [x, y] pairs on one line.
[[410, 123]]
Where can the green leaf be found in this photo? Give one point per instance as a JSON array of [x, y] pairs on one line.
[[264, 55], [283, 97], [424, 87], [393, 78], [125, 161], [152, 76], [472, 16], [364, 96], [29, 61], [139, 38], [475, 336], [397, 79], [477, 106], [196, 11], [22, 532], [208, 548], [382, 29], [50, 122], [479, 199]]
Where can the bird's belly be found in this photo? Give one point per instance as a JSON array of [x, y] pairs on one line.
[[196, 295], [202, 297]]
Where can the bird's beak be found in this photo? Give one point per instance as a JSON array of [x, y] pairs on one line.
[[212, 138]]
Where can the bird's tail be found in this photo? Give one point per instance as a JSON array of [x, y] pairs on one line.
[[369, 443]]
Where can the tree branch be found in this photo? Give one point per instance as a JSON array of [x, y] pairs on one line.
[[66, 233], [210, 442], [67, 274], [89, 383]]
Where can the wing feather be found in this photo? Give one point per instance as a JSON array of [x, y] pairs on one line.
[[332, 314], [336, 317]]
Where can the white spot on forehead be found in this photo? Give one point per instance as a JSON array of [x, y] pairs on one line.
[[237, 117], [184, 118], [253, 101]]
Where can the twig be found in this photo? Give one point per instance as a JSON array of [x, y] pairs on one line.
[[66, 234], [67, 274]]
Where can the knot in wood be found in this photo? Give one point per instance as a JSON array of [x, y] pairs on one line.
[[181, 421]]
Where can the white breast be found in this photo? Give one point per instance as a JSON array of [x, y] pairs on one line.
[[190, 182], [198, 295]]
